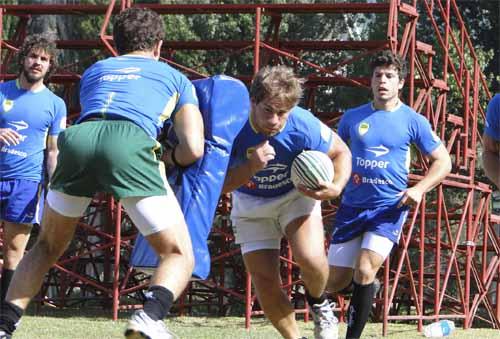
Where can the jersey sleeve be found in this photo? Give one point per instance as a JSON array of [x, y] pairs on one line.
[[343, 129], [423, 135], [59, 122], [187, 93], [492, 123]]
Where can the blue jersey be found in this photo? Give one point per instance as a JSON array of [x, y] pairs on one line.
[[380, 145], [492, 125], [302, 131], [140, 89], [34, 115]]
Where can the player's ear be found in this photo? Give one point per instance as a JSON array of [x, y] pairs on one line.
[[401, 84], [157, 49]]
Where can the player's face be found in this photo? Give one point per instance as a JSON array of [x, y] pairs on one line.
[[386, 84], [36, 65], [269, 116]]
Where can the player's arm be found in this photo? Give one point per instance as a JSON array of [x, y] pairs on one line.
[[439, 169], [239, 175], [188, 126], [51, 155], [342, 163], [491, 159]]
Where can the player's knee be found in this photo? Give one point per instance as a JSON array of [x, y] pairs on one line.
[[265, 282], [365, 272], [315, 263]]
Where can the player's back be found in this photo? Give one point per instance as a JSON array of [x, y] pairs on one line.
[[134, 88]]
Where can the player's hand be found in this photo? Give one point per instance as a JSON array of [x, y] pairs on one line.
[[326, 191], [411, 197], [262, 154], [9, 137]]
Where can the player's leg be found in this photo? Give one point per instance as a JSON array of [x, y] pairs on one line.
[[383, 232], [160, 220], [61, 215], [344, 247], [342, 260], [367, 265], [305, 232], [306, 237], [15, 239], [264, 267], [256, 229], [20, 206]]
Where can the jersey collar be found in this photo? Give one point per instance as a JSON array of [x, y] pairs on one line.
[[36, 90], [398, 106]]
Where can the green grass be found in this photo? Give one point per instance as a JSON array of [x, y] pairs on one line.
[[60, 324]]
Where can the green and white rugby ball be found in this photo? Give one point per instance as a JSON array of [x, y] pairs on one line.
[[310, 167]]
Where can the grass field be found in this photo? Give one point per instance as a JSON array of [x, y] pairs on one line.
[[62, 324]]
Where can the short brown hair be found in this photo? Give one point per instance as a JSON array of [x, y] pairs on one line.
[[277, 82], [388, 58], [137, 29], [38, 42]]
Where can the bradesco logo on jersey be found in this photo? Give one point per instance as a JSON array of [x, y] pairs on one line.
[[273, 176]]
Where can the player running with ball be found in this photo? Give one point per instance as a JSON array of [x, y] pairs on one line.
[[266, 205]]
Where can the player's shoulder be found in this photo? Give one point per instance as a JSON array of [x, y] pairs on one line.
[[7, 85], [408, 113], [301, 115], [357, 112], [171, 72], [495, 101], [55, 98], [361, 109]]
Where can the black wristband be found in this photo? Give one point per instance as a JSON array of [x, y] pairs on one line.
[[174, 160]]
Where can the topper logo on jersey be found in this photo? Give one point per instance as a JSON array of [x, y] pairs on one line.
[[378, 150], [129, 70], [371, 164], [19, 126], [275, 180], [125, 76], [276, 167]]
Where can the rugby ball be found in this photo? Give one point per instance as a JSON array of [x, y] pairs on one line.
[[310, 167]]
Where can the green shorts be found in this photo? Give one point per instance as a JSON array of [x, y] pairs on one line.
[[111, 156]]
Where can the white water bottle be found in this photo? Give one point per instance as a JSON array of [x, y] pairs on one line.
[[438, 329]]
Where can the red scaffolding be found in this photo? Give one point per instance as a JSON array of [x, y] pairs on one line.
[[447, 264]]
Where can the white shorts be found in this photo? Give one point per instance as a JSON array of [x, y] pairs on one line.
[[346, 253], [260, 223], [149, 214]]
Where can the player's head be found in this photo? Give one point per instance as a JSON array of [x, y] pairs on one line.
[[387, 58], [388, 74], [277, 82], [37, 58], [137, 29], [273, 93]]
